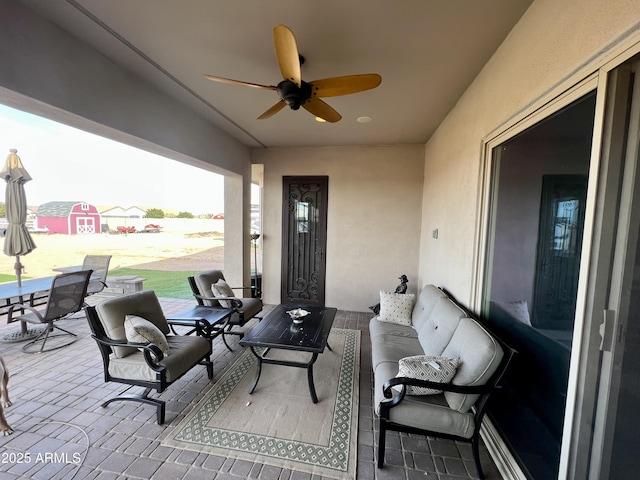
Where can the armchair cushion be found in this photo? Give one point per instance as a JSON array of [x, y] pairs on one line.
[[140, 330], [427, 367], [396, 307], [188, 350], [144, 304], [222, 289]]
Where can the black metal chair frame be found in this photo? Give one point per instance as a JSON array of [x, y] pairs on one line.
[[479, 408], [152, 354]]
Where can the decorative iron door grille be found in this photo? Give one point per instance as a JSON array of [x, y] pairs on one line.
[[304, 230]]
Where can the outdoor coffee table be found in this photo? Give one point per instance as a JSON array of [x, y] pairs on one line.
[[277, 331]]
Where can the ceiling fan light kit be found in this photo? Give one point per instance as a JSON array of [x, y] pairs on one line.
[[295, 92]]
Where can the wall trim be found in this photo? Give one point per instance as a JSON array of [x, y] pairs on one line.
[[500, 453]]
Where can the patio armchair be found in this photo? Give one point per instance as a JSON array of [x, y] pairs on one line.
[[100, 266], [66, 297], [137, 349], [210, 290]]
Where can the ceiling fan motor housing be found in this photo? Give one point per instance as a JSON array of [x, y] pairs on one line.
[[293, 95]]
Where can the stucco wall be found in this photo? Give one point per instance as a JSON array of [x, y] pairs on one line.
[[555, 43], [373, 221]]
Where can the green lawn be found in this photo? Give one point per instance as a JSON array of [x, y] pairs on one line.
[[164, 283], [7, 278]]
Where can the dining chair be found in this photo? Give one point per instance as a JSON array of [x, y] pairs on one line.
[[100, 266], [66, 297]]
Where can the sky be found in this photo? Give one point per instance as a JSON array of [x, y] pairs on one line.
[[67, 164]]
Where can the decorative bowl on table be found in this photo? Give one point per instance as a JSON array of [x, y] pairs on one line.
[[298, 314]]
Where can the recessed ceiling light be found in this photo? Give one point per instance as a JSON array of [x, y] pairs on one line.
[[321, 120], [364, 119]]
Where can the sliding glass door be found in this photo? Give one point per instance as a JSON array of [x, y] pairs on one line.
[[535, 238]]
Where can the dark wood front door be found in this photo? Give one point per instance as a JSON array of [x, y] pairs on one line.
[[304, 235], [562, 212]]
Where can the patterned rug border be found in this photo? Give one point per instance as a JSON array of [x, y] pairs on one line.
[[338, 459]]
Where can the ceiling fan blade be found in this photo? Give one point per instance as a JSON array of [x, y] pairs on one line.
[[273, 110], [287, 53], [336, 86], [321, 109], [238, 82]]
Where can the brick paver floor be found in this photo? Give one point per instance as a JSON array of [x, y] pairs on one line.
[[59, 423]]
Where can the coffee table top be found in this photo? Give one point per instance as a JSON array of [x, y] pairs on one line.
[[277, 330]]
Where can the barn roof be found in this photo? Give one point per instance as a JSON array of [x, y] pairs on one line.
[[56, 209]]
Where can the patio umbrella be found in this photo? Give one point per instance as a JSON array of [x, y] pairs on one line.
[[17, 240]]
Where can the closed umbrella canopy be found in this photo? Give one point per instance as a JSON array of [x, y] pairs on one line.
[[17, 240]]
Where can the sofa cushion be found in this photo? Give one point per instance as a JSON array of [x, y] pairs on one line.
[[480, 355], [396, 307], [141, 330], [424, 305], [437, 330], [427, 367], [431, 412], [390, 342]]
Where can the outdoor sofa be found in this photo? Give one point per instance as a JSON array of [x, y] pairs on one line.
[[465, 359]]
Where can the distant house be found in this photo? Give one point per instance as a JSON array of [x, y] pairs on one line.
[[68, 217], [131, 212]]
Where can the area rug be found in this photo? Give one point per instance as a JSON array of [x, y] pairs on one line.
[[278, 424]]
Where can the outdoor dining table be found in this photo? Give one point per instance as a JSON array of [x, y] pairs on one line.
[[33, 292]]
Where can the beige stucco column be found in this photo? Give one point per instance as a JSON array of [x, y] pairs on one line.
[[237, 244]]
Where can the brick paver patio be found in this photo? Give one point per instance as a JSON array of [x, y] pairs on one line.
[[59, 423]]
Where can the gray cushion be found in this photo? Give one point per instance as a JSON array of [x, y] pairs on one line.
[[113, 311], [437, 330], [432, 412], [425, 302], [186, 351], [480, 355], [204, 280]]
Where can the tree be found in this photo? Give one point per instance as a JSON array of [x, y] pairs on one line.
[[184, 215], [155, 213], [3, 210]]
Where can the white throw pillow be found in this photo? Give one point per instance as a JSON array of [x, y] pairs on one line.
[[396, 307], [427, 367], [222, 289], [141, 330]]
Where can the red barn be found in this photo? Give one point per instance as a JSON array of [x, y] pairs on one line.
[[68, 217]]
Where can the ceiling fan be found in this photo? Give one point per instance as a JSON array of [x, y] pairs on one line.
[[295, 92]]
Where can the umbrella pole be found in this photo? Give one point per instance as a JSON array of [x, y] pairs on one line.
[[18, 268]]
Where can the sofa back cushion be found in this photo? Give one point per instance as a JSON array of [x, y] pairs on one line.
[[426, 301], [438, 327], [480, 355]]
